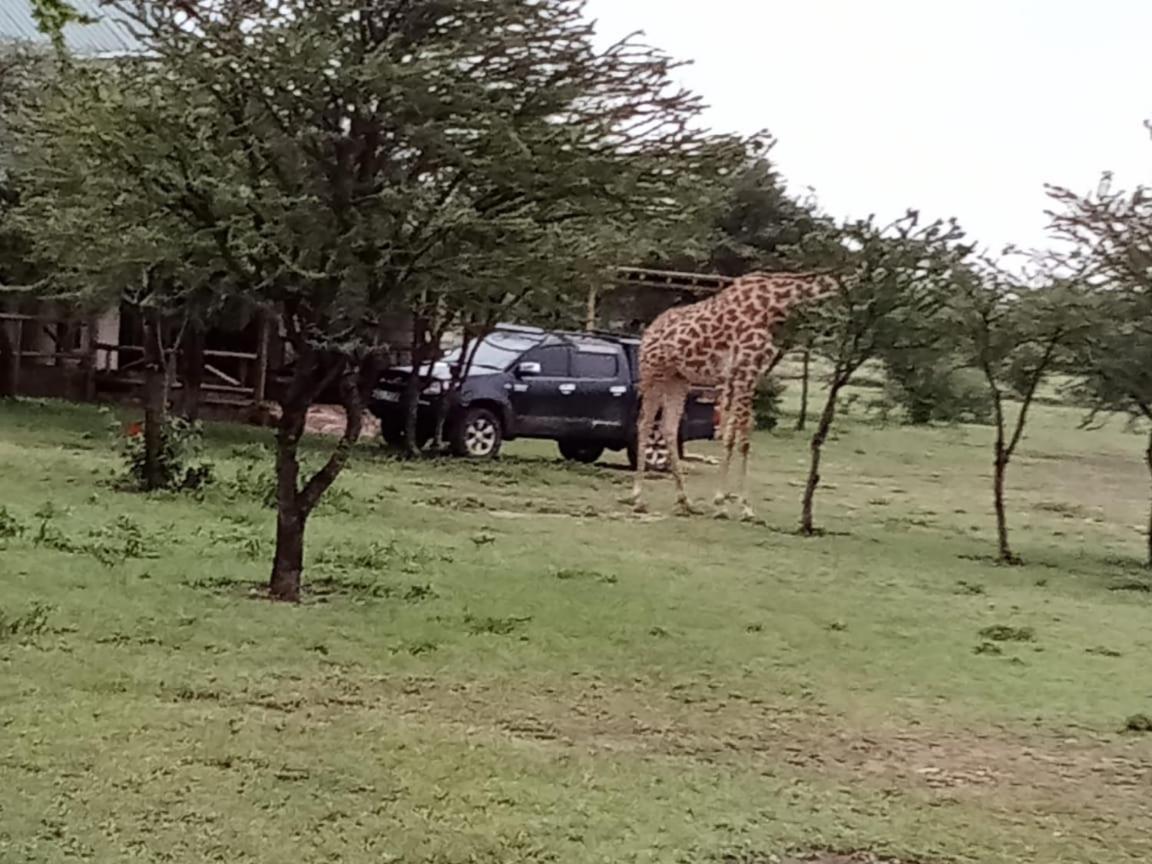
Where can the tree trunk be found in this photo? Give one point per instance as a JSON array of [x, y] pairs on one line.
[[1005, 553], [412, 388], [1148, 459], [802, 420], [10, 358], [155, 397], [295, 503], [288, 562], [193, 376], [807, 526]]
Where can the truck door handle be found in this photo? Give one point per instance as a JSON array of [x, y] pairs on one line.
[[618, 390], [567, 389]]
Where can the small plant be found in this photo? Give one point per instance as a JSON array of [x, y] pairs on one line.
[[51, 537], [1101, 651], [241, 537], [116, 543], [10, 527], [49, 511], [254, 481], [495, 626], [988, 648], [1141, 723], [575, 573], [379, 557], [26, 626], [1004, 633], [181, 466]]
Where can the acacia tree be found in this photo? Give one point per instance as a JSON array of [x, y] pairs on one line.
[[1108, 237], [328, 160], [1113, 359], [1015, 335], [894, 282]]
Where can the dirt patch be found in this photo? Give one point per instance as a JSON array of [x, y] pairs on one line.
[[814, 858], [850, 858], [322, 420]]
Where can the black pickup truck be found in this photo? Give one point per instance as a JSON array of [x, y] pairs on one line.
[[577, 389]]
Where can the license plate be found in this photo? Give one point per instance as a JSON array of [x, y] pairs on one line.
[[386, 395]]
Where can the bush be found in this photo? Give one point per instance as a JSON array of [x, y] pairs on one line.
[[937, 391], [182, 466], [766, 403]]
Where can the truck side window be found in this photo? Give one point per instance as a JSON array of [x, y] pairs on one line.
[[588, 364], [553, 360]]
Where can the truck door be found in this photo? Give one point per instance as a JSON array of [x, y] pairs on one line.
[[599, 407], [540, 401]]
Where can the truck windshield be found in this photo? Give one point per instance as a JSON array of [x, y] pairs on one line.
[[496, 350]]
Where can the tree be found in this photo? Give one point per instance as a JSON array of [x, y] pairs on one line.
[[895, 280], [1113, 360], [1108, 246], [330, 161], [1015, 335]]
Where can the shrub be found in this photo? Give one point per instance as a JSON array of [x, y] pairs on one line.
[[930, 391], [766, 403], [183, 467]]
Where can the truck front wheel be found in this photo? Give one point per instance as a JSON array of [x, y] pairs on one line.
[[477, 434]]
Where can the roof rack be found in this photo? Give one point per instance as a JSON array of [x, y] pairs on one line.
[[696, 283]]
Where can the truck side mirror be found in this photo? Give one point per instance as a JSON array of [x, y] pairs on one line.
[[527, 369]]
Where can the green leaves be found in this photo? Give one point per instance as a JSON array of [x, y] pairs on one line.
[[896, 283], [340, 162]]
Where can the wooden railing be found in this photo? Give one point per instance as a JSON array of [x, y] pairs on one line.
[[248, 378], [12, 327]]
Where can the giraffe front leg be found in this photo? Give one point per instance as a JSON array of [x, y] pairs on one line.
[[744, 410], [645, 421]]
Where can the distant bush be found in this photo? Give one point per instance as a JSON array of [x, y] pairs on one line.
[[766, 403], [928, 392]]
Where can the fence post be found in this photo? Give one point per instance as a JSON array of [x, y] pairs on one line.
[[88, 358], [15, 329], [260, 382]]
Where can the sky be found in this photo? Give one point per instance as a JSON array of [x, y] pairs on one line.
[[961, 109]]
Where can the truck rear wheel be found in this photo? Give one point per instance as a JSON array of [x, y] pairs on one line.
[[656, 457], [581, 451]]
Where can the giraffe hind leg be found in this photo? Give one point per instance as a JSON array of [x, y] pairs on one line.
[[674, 398], [650, 402]]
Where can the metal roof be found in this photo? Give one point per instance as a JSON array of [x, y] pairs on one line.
[[107, 37]]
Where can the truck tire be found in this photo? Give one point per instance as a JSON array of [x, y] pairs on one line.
[[581, 451], [477, 434], [634, 457]]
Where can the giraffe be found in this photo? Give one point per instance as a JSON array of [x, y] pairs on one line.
[[726, 339]]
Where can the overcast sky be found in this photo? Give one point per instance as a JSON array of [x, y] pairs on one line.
[[960, 109]]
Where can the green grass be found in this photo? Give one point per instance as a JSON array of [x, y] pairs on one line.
[[499, 663]]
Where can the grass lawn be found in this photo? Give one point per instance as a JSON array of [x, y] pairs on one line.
[[499, 663]]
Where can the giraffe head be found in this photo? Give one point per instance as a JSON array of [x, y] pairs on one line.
[[783, 292], [813, 287]]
